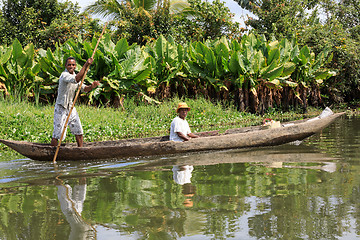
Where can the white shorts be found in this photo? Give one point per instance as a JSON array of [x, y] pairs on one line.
[[60, 115]]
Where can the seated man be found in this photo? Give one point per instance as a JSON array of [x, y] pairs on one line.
[[180, 129]]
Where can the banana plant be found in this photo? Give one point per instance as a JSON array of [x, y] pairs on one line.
[[131, 74], [19, 72], [222, 53], [209, 62], [279, 54], [52, 64], [167, 61], [311, 68], [257, 62], [261, 60]]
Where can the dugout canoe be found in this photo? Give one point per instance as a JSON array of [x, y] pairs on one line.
[[231, 139]]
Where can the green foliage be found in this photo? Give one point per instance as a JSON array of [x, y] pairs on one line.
[[345, 50], [214, 66], [139, 21], [43, 23], [279, 18], [167, 60], [25, 121], [311, 68], [19, 72], [183, 21], [319, 25], [210, 20], [209, 62]]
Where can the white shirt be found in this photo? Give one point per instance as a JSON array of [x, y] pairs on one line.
[[182, 174], [179, 125], [67, 89]]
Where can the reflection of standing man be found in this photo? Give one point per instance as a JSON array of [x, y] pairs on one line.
[[182, 176], [71, 203]]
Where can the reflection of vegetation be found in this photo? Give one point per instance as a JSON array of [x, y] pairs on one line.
[[28, 213], [279, 203]]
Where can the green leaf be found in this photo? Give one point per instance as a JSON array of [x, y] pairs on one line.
[[273, 45], [252, 41], [181, 53], [6, 56], [2, 72], [276, 82], [50, 55], [235, 46], [108, 43], [256, 62], [17, 49], [276, 72], [274, 55], [291, 84], [294, 53], [143, 75], [36, 69], [234, 63], [323, 74], [305, 50], [121, 47], [88, 49], [289, 68], [160, 46]]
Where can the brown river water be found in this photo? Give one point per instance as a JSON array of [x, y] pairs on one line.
[[303, 190]]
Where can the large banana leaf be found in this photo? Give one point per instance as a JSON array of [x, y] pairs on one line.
[[274, 56], [274, 73], [289, 68], [19, 72]]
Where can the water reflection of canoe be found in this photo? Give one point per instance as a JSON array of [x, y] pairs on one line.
[[232, 138], [266, 155], [286, 156]]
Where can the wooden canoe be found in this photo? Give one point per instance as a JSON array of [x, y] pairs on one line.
[[233, 138]]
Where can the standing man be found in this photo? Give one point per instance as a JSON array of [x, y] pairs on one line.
[[68, 84], [180, 129]]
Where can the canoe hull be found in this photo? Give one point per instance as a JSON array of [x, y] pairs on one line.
[[240, 138]]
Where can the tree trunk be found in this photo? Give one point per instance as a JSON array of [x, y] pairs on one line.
[[254, 102], [239, 100], [286, 98]]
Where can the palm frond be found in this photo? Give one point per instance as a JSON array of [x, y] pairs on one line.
[[106, 9], [145, 4], [178, 6]]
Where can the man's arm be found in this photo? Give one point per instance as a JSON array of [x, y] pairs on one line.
[[193, 135], [186, 138], [183, 136], [80, 75], [88, 88]]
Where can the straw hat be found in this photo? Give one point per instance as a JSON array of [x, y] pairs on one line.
[[182, 105]]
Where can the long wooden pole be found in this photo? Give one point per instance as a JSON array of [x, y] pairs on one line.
[[76, 96]]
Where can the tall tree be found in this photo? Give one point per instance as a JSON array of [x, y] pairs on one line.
[[280, 18], [139, 20], [213, 20], [114, 9], [42, 22]]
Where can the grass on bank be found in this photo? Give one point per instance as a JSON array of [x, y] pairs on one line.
[[25, 121]]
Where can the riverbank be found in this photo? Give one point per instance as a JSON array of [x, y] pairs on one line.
[[25, 121]]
